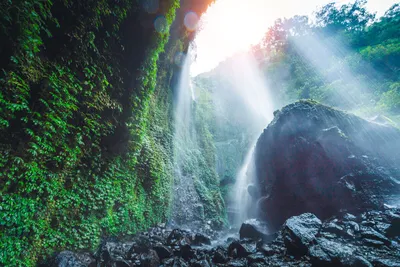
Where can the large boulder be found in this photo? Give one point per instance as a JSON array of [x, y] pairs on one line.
[[256, 230], [299, 232], [312, 158], [71, 259]]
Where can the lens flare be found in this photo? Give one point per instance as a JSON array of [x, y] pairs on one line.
[[191, 20], [151, 6], [160, 24]]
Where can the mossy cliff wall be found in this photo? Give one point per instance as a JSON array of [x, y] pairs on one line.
[[85, 122]]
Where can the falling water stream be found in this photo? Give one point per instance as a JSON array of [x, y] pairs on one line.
[[187, 207], [247, 82]]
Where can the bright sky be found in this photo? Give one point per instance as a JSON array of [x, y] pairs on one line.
[[230, 26]]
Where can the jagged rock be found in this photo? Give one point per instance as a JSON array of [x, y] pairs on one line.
[[202, 263], [299, 232], [71, 259], [386, 263], [257, 257], [327, 252], [312, 158], [186, 252], [237, 263], [255, 230], [265, 249], [369, 233], [240, 250], [394, 229], [179, 262], [302, 241], [142, 244], [200, 239], [150, 259], [163, 251], [113, 251], [177, 236], [220, 256], [357, 261], [252, 190], [372, 242]]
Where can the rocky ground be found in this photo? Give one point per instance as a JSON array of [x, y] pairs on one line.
[[370, 239]]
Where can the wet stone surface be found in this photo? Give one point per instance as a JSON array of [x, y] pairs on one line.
[[369, 239]]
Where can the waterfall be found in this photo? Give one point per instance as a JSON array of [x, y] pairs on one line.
[[187, 207], [248, 82], [242, 198]]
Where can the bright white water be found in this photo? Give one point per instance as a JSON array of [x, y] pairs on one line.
[[248, 82], [186, 203], [241, 197]]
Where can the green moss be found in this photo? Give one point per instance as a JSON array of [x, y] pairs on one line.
[[61, 98]]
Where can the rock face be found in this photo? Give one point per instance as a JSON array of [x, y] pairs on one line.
[[256, 230], [299, 232], [313, 158]]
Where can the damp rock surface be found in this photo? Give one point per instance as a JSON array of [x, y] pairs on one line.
[[302, 240], [313, 158]]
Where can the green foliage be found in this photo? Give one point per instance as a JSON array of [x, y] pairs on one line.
[[347, 59], [62, 110]]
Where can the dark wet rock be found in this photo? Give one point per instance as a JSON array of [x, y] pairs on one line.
[[299, 232], [114, 251], [240, 250], [372, 242], [186, 252], [386, 262], [150, 259], [357, 261], [265, 249], [200, 239], [142, 244], [237, 263], [257, 257], [71, 259], [332, 227], [231, 239], [312, 158], [177, 262], [220, 256], [163, 251], [256, 230], [369, 233], [349, 217], [252, 190], [303, 241], [394, 229], [202, 263], [122, 263], [331, 253], [178, 236]]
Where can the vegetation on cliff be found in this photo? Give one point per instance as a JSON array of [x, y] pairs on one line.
[[85, 123]]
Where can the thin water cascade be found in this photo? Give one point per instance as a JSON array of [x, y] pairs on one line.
[[249, 83], [187, 206], [241, 190]]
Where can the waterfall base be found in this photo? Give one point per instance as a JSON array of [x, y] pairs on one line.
[[371, 239]]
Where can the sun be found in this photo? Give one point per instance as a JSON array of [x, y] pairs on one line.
[[230, 26]]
